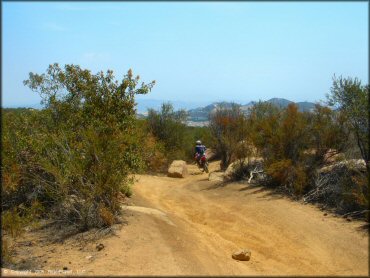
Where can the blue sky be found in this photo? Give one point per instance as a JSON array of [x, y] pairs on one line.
[[197, 52]]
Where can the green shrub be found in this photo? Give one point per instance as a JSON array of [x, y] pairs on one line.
[[79, 149], [126, 189], [168, 127], [12, 222], [192, 135]]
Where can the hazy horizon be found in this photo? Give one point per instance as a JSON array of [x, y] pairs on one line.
[[198, 53]]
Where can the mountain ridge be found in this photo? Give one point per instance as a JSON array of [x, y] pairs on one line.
[[201, 113]]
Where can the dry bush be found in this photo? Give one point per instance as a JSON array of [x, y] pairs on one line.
[[106, 216], [342, 186], [153, 154], [7, 251], [250, 168], [229, 127], [12, 223], [292, 177], [328, 135]]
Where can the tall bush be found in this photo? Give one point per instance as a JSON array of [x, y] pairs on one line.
[[168, 126], [87, 146], [350, 97], [228, 126]]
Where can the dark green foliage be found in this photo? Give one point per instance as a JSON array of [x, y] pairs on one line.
[[168, 126], [20, 130], [74, 155], [192, 135], [169, 134]]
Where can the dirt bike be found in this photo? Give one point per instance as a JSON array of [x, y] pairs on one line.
[[202, 162]]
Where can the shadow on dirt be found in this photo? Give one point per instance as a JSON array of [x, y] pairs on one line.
[[50, 232], [216, 185], [253, 187], [364, 228], [267, 193]]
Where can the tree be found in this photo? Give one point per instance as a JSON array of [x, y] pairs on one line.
[[86, 144], [350, 97]]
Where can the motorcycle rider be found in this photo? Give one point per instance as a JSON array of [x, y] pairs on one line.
[[200, 150]]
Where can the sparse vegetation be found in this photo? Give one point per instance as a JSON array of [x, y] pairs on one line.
[[296, 145], [73, 160]]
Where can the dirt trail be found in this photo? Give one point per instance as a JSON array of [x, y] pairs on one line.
[[192, 226]]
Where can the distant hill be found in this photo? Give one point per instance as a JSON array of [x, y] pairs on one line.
[[283, 103], [202, 113], [280, 102], [144, 104]]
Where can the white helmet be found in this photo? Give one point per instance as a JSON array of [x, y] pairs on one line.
[[198, 142]]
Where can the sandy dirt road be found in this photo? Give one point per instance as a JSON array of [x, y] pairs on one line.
[[192, 226], [286, 238]]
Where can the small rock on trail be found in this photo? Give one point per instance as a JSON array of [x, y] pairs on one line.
[[242, 255], [100, 246], [178, 169]]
